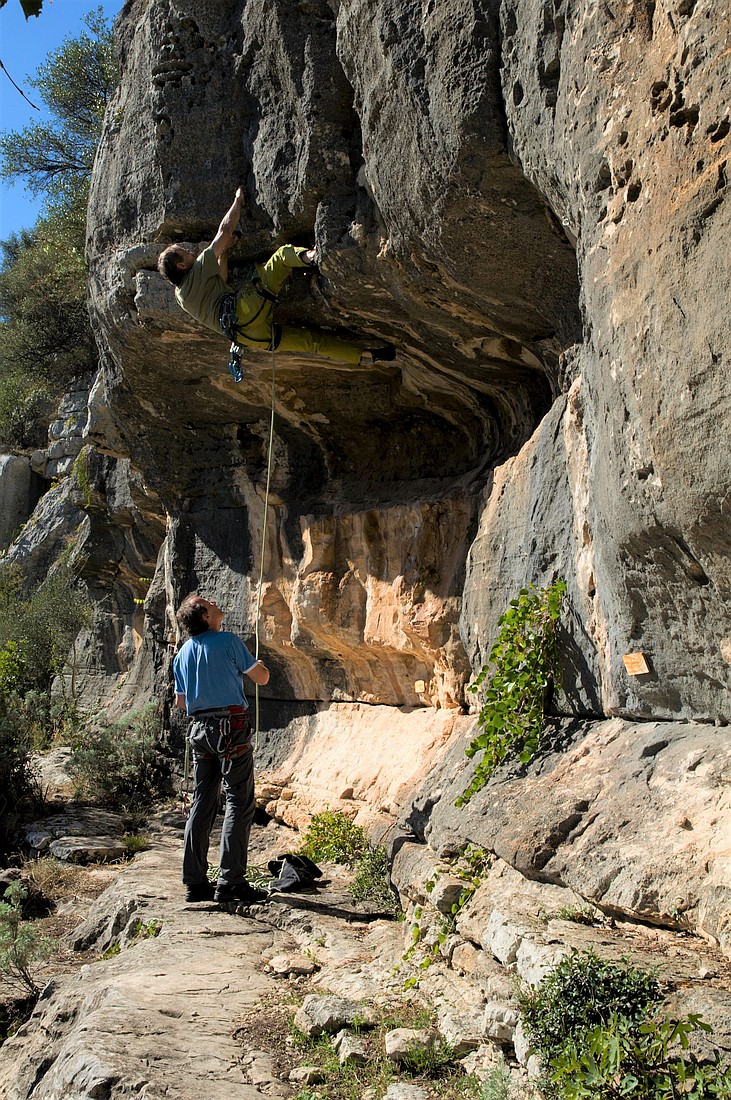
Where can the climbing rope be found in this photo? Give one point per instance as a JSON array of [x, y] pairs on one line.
[[263, 541]]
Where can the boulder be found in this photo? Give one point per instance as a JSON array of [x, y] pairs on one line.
[[323, 1013], [15, 493]]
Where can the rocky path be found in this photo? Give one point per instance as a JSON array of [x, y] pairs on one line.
[[187, 1001], [157, 1018]]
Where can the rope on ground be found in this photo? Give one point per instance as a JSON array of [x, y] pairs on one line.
[[263, 540]]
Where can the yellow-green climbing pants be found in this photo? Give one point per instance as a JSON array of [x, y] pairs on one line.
[[254, 314]]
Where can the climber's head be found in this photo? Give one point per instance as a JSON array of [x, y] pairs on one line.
[[175, 262], [196, 614]]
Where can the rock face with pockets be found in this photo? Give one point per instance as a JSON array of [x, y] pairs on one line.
[[530, 201]]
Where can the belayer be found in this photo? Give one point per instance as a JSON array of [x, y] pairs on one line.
[[246, 317], [209, 688]]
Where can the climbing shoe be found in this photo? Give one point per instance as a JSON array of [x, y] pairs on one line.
[[199, 891], [242, 893], [386, 354]]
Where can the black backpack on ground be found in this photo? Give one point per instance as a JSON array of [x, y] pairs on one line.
[[294, 871]]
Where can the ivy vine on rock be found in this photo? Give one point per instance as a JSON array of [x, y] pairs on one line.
[[522, 665]]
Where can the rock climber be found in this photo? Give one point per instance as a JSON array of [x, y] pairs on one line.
[[246, 318], [209, 687]]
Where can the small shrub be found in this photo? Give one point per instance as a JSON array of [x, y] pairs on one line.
[[372, 880], [431, 1062], [497, 1086], [578, 914], [23, 950], [134, 843], [651, 1061], [45, 719], [524, 663], [583, 992], [19, 790], [146, 930], [41, 625], [54, 880], [13, 666], [333, 837], [122, 763]]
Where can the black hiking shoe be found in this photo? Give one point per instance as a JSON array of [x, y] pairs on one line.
[[242, 893], [199, 891], [386, 354]]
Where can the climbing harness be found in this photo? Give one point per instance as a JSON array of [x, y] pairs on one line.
[[223, 734], [231, 328], [263, 535]]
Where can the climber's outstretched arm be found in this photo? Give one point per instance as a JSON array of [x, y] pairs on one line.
[[225, 236]]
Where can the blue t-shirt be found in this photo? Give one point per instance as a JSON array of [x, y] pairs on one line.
[[208, 671]]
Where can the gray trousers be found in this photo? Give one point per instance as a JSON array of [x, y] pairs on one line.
[[221, 755]]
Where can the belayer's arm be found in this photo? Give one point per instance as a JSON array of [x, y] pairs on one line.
[[225, 237], [259, 673]]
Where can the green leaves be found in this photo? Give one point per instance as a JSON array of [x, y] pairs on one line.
[[75, 83], [332, 836], [648, 1062], [594, 1025], [523, 661], [45, 336], [22, 949], [124, 763]]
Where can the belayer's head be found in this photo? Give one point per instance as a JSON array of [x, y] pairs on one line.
[[175, 262], [196, 614]]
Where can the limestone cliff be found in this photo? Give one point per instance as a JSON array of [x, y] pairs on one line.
[[531, 201]]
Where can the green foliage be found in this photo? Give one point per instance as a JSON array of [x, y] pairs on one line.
[[524, 661], [498, 1085], [45, 719], [13, 666], [333, 837], [580, 993], [372, 880], [122, 763], [45, 337], [430, 1061], [578, 914], [146, 930], [41, 626], [18, 790], [22, 949], [469, 865], [134, 843], [81, 470], [55, 157], [595, 1026], [36, 631], [623, 1061]]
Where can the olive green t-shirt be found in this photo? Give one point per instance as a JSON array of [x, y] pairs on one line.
[[202, 289]]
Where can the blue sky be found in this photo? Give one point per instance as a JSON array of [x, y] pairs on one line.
[[23, 47]]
